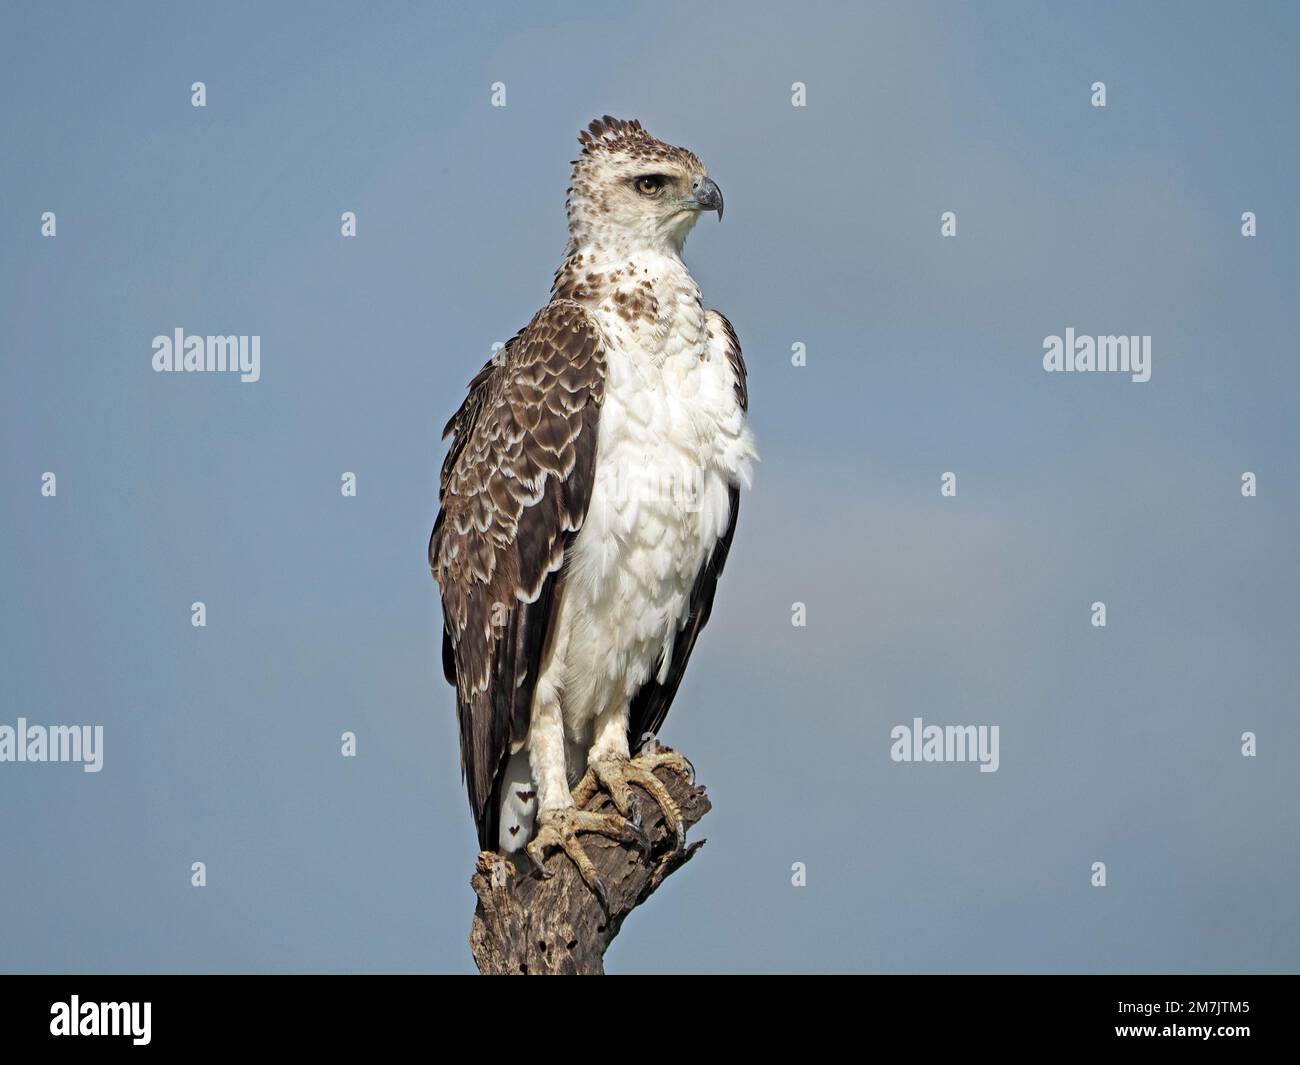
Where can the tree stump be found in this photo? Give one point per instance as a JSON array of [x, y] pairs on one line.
[[527, 925]]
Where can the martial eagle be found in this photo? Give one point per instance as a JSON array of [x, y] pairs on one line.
[[587, 504]]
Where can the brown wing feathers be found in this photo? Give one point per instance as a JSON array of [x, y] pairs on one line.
[[515, 488]]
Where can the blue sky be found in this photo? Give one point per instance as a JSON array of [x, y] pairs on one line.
[[924, 355]]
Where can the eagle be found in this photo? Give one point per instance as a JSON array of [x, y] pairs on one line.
[[587, 504]]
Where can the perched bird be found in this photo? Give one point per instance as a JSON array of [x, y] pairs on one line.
[[587, 504]]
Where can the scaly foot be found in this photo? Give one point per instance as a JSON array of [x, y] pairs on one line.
[[558, 830], [617, 775]]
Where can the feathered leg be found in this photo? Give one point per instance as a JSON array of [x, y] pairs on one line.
[[559, 821]]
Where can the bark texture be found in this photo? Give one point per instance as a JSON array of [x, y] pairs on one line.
[[527, 925]]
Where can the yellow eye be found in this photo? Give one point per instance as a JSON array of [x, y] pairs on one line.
[[649, 184]]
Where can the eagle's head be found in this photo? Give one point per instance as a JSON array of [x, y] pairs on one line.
[[632, 191]]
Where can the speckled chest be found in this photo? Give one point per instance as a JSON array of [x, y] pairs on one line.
[[647, 304], [659, 499]]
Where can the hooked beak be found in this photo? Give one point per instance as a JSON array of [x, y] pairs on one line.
[[707, 196]]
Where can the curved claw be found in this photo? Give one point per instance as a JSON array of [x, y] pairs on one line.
[[666, 756], [639, 835], [617, 775], [537, 862], [559, 829]]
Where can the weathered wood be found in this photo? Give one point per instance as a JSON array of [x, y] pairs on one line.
[[524, 924]]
